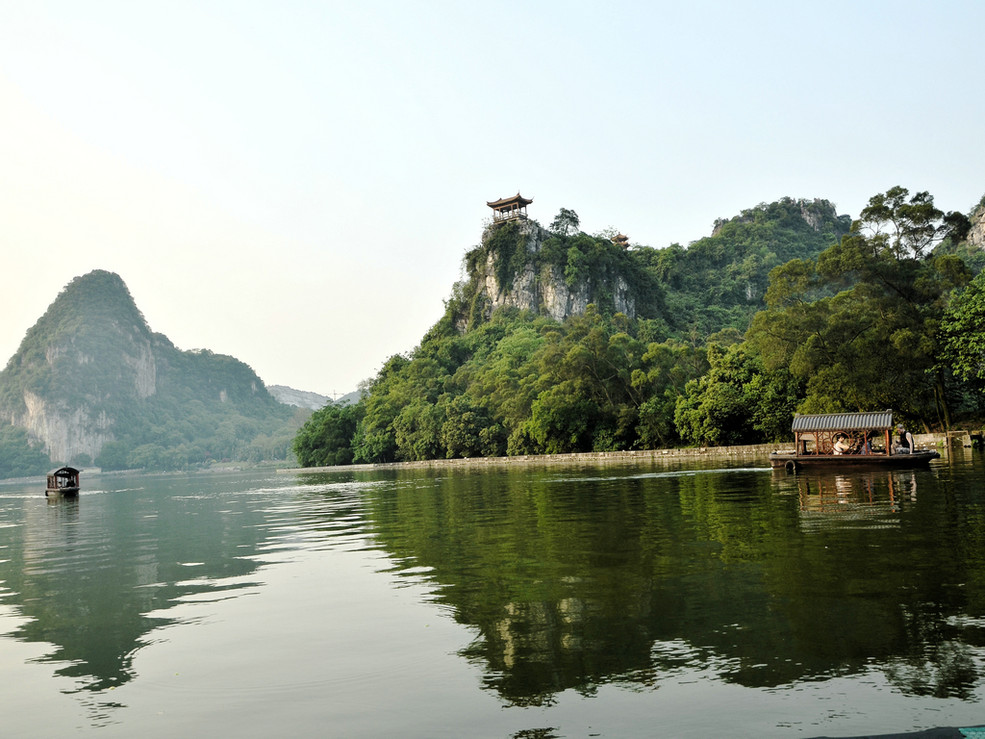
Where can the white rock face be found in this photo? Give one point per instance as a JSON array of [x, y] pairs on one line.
[[547, 292], [144, 366], [560, 301], [65, 433], [976, 235], [625, 302], [297, 398]]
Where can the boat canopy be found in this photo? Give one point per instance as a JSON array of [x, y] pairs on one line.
[[64, 472], [850, 438], [63, 479], [843, 422]]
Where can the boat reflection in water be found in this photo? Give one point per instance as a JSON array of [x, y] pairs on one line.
[[874, 496]]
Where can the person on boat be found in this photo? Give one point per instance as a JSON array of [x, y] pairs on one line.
[[866, 444], [841, 445], [904, 444]]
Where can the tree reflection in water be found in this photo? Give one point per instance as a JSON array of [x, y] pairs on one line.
[[574, 580]]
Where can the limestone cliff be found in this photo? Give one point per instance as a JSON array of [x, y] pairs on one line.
[[91, 373], [522, 265], [714, 283], [976, 236]]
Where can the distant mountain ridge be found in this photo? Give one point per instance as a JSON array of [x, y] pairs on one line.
[[298, 398], [91, 382]]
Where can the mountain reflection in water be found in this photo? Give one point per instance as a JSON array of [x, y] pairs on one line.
[[93, 579]]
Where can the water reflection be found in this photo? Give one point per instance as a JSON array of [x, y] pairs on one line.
[[874, 496], [92, 576], [568, 580], [574, 581]]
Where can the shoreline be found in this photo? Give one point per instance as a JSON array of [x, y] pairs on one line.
[[752, 452], [943, 442]]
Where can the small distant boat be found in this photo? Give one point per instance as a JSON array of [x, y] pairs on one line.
[[64, 481], [839, 440]]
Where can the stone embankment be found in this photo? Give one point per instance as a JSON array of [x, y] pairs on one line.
[[753, 454]]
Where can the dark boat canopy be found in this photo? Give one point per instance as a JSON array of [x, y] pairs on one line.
[[843, 422], [64, 472]]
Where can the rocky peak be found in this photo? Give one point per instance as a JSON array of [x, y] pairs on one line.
[[818, 214], [91, 346], [523, 265], [976, 235], [90, 371]]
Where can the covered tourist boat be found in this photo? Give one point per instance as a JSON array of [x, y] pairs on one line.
[[63, 481], [837, 440]]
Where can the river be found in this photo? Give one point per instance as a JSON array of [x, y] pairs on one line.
[[520, 603]]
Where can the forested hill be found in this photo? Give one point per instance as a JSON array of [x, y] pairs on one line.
[[720, 281], [91, 383], [561, 341]]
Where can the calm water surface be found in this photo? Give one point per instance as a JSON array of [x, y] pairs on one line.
[[522, 603]]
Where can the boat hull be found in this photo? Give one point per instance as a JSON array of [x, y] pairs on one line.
[[62, 492], [792, 462]]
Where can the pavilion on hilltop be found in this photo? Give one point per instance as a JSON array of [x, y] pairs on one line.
[[506, 209]]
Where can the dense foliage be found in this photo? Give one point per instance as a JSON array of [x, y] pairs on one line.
[[859, 325], [962, 334], [326, 437], [518, 384], [736, 400], [840, 316], [19, 457], [719, 281]]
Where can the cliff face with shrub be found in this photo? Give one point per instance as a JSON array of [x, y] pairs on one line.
[[716, 282], [976, 235], [520, 264]]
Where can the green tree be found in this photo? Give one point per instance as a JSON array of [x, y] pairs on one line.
[[562, 420], [462, 431], [19, 457], [113, 455], [859, 324], [908, 228], [963, 332], [737, 401], [374, 440], [326, 438], [417, 431], [565, 222], [666, 368]]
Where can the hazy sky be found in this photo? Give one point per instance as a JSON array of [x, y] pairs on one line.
[[296, 183]]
